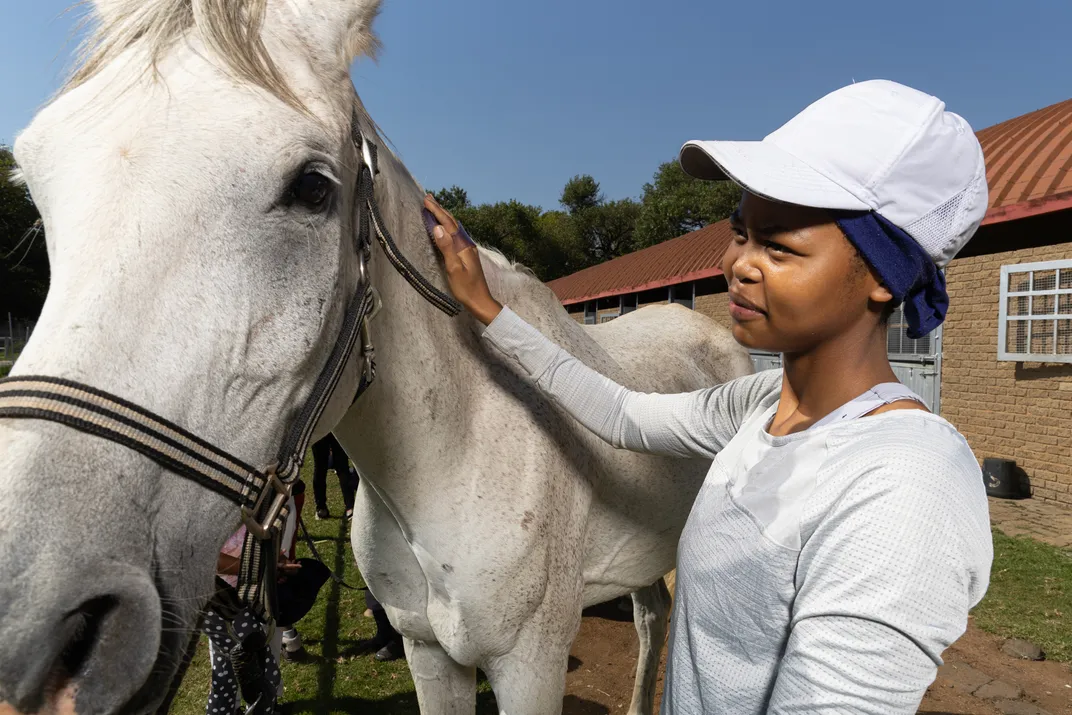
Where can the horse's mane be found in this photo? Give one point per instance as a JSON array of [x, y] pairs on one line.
[[230, 28], [511, 281]]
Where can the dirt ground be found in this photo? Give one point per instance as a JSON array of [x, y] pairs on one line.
[[977, 678]]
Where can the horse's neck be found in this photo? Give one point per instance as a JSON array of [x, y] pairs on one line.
[[409, 328]]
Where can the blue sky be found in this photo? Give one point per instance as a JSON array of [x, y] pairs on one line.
[[509, 99]]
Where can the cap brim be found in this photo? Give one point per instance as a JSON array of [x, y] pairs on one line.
[[767, 171]]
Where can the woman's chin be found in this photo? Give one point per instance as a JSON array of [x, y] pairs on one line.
[[747, 338]]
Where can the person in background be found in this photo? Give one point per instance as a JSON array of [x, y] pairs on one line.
[[387, 643], [243, 660], [290, 639], [329, 454]]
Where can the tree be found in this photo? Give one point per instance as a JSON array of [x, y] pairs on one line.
[[581, 193], [604, 228], [544, 242], [23, 259], [452, 199], [675, 204]]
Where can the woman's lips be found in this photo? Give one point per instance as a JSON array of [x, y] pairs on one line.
[[741, 309]]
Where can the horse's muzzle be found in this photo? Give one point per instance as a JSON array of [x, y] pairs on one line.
[[90, 637]]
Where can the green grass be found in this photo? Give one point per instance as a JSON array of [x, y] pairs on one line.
[[333, 679], [1030, 595]]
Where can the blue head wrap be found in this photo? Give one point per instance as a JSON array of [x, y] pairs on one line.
[[904, 267]]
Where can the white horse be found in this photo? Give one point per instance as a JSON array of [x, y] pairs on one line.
[[196, 183]]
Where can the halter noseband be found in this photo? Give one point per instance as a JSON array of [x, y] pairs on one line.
[[261, 494]]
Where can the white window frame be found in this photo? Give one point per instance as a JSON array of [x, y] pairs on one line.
[[1004, 319]]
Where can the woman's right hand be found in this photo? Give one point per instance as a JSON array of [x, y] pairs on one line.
[[465, 275]]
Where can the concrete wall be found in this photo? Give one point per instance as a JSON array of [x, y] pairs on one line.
[[1010, 410]]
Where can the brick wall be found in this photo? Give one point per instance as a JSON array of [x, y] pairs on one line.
[[1019, 411], [715, 306]]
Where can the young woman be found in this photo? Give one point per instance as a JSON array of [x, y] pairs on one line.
[[842, 534]]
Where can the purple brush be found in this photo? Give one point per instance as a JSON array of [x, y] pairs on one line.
[[461, 237]]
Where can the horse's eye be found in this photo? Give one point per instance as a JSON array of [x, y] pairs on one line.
[[311, 189]]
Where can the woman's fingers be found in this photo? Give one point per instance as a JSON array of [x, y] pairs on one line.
[[465, 275], [441, 214], [445, 245]]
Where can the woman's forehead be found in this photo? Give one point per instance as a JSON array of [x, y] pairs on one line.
[[756, 210]]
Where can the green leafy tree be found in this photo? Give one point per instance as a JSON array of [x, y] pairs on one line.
[[544, 242], [580, 194], [674, 204], [453, 199], [23, 259], [604, 229]]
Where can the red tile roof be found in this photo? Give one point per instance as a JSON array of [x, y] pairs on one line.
[[1028, 172], [1029, 163], [690, 257]]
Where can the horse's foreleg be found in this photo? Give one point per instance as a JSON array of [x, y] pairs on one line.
[[531, 678], [443, 687], [651, 608]]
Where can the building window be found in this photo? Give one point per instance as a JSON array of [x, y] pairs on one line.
[[1035, 312], [684, 294], [590, 313], [899, 345], [629, 303]]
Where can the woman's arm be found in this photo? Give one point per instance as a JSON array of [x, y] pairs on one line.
[[886, 582], [688, 424], [696, 423]]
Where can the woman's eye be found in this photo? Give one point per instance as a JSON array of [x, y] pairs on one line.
[[311, 189], [778, 248]]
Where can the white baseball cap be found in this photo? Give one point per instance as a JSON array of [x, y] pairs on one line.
[[871, 146]]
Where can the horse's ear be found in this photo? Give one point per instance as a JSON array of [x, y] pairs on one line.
[[337, 30]]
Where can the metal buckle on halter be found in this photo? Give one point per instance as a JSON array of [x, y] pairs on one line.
[[366, 154], [263, 529], [377, 303]]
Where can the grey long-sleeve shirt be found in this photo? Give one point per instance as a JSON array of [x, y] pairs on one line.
[[820, 572]]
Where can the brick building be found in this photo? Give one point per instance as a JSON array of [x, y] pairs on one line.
[[1000, 368]]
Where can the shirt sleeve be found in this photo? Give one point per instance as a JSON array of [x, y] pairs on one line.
[[688, 424], [885, 584]]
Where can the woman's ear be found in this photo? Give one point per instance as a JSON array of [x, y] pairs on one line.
[[881, 294]]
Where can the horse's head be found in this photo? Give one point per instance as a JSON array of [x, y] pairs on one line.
[[196, 184]]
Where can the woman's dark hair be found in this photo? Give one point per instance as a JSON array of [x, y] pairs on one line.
[[863, 267]]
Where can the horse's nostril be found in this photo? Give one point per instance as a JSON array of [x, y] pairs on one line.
[[83, 628]]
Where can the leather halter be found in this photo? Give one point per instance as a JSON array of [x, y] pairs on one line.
[[262, 494]]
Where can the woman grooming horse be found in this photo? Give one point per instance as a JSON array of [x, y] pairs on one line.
[[842, 534]]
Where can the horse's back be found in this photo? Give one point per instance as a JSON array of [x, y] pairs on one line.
[[669, 348]]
